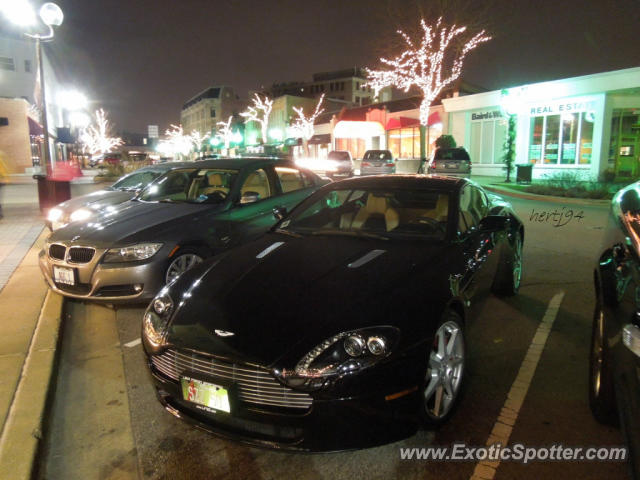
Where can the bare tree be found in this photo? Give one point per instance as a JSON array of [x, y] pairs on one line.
[[259, 112], [96, 138], [430, 63], [303, 125]]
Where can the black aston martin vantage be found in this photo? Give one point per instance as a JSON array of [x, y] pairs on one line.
[[344, 326]]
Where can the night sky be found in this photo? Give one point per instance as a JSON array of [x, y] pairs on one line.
[[142, 59]]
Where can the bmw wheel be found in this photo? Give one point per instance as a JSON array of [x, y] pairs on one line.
[[183, 261], [445, 370]]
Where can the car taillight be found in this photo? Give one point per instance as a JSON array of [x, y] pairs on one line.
[[366, 164], [389, 164]]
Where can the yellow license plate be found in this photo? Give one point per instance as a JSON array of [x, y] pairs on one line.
[[205, 394]]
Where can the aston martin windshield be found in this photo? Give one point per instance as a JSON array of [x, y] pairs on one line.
[[136, 180], [191, 185], [372, 213]]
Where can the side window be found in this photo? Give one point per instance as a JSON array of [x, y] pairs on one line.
[[309, 179], [290, 179], [257, 182], [468, 218], [483, 203]]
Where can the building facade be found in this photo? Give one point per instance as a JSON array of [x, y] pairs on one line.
[[19, 89], [205, 110], [342, 86], [588, 126]]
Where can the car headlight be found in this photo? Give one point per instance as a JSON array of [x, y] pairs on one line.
[[55, 215], [342, 354], [156, 319], [80, 214], [141, 251]]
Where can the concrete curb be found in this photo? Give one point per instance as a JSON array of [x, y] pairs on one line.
[[546, 198], [22, 432]]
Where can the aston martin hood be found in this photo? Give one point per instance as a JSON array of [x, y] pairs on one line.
[[279, 294]]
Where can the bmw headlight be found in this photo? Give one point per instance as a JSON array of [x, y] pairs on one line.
[[156, 319], [141, 251], [55, 215], [80, 214], [342, 354]]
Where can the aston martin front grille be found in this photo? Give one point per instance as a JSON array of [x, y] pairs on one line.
[[81, 254], [255, 385]]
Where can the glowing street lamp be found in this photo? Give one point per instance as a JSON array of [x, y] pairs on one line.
[[21, 13]]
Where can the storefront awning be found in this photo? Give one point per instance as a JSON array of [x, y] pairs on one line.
[[433, 119], [34, 127], [320, 139], [402, 122], [348, 129]]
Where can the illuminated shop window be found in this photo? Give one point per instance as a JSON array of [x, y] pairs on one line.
[[561, 139], [405, 142], [487, 138]]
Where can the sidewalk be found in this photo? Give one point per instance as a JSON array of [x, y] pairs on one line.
[[28, 335]]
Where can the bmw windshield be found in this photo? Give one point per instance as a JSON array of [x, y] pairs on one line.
[[136, 180], [192, 185], [379, 213]]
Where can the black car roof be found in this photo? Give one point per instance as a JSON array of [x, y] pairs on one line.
[[435, 182], [238, 163]]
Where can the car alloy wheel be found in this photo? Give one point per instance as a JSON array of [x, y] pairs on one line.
[[445, 370], [601, 394], [180, 264], [517, 262]]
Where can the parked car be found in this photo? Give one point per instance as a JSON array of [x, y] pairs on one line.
[[129, 252], [614, 374], [343, 327], [105, 160], [451, 161], [375, 162], [339, 163], [85, 206]]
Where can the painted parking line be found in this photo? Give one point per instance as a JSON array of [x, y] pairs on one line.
[[133, 343], [501, 432]]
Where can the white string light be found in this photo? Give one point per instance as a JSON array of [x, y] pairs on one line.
[[97, 138], [259, 112], [424, 65]]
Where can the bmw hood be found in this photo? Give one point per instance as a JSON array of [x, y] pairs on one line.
[[97, 200], [282, 295], [129, 222]]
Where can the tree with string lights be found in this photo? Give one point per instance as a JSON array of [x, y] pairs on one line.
[[96, 138], [431, 63], [198, 139], [302, 126], [259, 112], [225, 132]]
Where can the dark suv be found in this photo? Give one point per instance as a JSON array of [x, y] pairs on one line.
[[451, 161]]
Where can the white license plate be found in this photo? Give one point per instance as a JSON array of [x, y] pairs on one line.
[[64, 275], [205, 394], [452, 165]]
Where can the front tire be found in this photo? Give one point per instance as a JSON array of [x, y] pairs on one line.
[[445, 371], [185, 259], [601, 392], [509, 275]]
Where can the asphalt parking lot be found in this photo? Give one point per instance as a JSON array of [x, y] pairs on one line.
[[106, 422]]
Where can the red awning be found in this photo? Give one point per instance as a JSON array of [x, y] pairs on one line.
[[434, 118], [34, 127], [402, 122]]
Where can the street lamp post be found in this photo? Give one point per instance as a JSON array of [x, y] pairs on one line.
[[51, 15]]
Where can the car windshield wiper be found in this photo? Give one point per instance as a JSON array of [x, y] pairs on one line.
[[288, 232], [350, 233]]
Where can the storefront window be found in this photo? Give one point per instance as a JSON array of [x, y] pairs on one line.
[[561, 139], [586, 137], [487, 140], [404, 142], [551, 139], [570, 127], [535, 143]]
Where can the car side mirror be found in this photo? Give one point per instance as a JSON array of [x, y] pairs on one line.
[[494, 223], [279, 212], [249, 197]]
